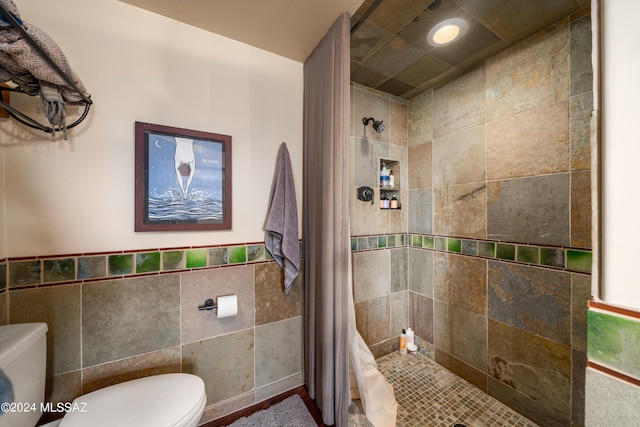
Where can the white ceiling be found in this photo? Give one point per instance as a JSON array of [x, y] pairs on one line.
[[290, 28]]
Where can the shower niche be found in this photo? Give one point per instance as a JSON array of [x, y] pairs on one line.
[[389, 184]]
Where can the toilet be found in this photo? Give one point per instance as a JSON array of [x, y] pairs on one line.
[[167, 400]]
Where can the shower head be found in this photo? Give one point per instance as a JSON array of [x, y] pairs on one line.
[[378, 126]]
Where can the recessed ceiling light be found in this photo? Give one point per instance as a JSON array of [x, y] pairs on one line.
[[447, 31]]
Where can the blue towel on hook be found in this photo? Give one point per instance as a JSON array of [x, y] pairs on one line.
[[281, 237]]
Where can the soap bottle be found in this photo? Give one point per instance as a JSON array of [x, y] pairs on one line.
[[394, 202], [384, 177], [391, 179], [409, 336], [403, 342]]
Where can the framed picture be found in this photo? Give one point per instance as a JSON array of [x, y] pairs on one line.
[[183, 179]]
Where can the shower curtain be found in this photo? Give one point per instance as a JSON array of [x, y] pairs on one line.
[[331, 342], [327, 246]]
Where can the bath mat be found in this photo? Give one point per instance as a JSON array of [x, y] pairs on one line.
[[290, 412]]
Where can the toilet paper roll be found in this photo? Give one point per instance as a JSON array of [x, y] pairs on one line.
[[227, 306]]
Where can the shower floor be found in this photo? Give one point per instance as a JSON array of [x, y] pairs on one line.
[[429, 395]]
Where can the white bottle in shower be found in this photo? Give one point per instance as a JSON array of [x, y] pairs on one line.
[[409, 336]]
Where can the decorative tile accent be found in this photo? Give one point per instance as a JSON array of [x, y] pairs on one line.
[[363, 243], [120, 265], [3, 275], [58, 270], [256, 253], [237, 254], [217, 256], [92, 267], [528, 254], [27, 272], [487, 249], [391, 241], [373, 242], [173, 260], [196, 258], [614, 341], [454, 245], [552, 257], [470, 247], [382, 241], [506, 251], [147, 262], [578, 260], [24, 273]]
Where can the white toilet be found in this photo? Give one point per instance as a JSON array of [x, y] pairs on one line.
[[169, 400]]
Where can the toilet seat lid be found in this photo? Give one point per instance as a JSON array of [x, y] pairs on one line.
[[160, 400]]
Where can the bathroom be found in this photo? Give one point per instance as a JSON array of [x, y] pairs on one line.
[[69, 207]]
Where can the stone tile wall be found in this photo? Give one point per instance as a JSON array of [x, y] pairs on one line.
[[498, 225], [116, 317]]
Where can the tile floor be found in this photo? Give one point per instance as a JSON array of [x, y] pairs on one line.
[[429, 395]]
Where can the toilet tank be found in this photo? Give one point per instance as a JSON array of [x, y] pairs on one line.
[[23, 357]]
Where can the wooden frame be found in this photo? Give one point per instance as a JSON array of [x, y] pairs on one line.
[[183, 179]]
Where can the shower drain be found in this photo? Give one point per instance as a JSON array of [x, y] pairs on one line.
[[459, 425]]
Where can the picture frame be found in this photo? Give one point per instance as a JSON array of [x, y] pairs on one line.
[[182, 179]]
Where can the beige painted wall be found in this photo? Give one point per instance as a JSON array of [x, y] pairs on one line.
[[78, 195]]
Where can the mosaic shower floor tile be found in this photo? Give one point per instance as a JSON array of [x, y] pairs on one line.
[[428, 395]]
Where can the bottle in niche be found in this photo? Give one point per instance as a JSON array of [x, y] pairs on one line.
[[384, 176], [383, 199], [391, 179], [403, 342], [393, 204]]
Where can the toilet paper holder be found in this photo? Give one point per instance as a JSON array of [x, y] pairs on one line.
[[209, 304]]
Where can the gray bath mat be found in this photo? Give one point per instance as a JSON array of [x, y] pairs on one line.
[[290, 412]]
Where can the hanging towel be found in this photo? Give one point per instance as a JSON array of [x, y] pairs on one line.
[[281, 237]]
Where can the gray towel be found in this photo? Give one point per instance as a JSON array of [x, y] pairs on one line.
[[281, 237]]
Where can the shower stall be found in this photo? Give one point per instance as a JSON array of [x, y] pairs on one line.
[[488, 256]]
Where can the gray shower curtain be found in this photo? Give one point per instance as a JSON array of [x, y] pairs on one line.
[[327, 243]]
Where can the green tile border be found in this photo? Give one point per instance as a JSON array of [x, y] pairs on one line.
[[26, 272], [568, 259], [614, 340], [53, 270]]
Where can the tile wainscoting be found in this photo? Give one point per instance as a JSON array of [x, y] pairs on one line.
[[117, 316]]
